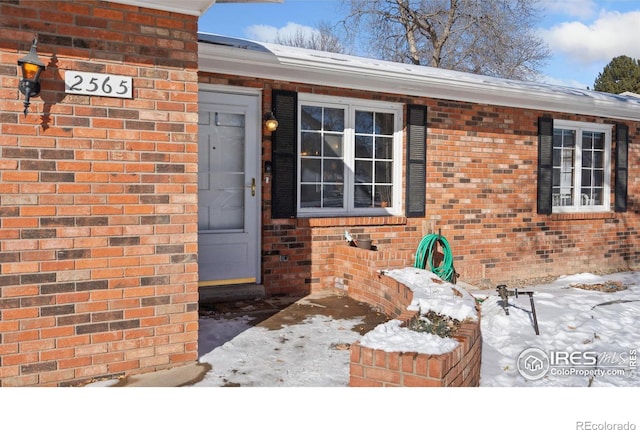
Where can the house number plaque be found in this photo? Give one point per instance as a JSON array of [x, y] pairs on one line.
[[98, 84]]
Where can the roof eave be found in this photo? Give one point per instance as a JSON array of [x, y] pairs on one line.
[[364, 75], [189, 7]]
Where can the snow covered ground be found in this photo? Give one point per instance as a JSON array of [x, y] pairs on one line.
[[590, 338], [589, 335], [587, 338]]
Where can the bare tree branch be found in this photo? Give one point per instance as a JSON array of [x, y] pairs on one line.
[[491, 37]]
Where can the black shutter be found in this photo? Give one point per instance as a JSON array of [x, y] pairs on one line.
[[622, 152], [416, 187], [545, 165], [284, 158]]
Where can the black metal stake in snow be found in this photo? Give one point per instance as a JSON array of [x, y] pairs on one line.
[[505, 294]]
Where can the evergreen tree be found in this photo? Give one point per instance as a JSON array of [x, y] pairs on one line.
[[620, 75]]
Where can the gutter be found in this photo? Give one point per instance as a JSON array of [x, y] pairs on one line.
[[219, 54]]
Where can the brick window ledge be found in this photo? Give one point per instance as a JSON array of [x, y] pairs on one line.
[[582, 216], [351, 221]]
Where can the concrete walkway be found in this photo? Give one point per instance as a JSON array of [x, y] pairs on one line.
[[272, 313]]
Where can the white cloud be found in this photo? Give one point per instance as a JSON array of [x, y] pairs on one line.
[[610, 35], [581, 9], [269, 33]]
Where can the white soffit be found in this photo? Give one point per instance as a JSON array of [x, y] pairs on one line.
[[220, 54], [187, 7]]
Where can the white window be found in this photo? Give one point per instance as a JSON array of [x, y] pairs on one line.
[[349, 157], [581, 167]]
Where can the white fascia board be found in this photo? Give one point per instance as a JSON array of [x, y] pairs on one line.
[[335, 70], [186, 7]]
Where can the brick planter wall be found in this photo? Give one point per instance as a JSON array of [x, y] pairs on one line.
[[360, 277], [98, 195]]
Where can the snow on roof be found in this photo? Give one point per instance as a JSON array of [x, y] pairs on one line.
[[235, 56]]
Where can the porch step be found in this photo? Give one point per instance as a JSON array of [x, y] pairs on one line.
[[230, 293]]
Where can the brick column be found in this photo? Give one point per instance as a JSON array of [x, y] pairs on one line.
[[98, 196]]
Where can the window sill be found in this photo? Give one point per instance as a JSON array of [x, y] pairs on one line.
[[351, 221], [582, 216]]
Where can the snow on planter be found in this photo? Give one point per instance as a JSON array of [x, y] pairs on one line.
[[392, 337], [430, 293]]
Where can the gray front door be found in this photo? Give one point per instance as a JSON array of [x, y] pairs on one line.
[[228, 189]]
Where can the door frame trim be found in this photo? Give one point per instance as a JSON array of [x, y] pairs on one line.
[[230, 89], [243, 91]]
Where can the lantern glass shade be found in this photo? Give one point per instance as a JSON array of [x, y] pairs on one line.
[[270, 121], [31, 72]]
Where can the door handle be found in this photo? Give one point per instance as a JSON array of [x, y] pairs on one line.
[[253, 187]]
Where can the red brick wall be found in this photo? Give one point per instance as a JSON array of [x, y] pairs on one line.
[[364, 280], [98, 215], [481, 194]]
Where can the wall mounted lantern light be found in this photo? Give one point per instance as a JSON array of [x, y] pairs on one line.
[[31, 67], [270, 121]]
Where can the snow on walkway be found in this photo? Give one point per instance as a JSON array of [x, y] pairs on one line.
[[589, 338]]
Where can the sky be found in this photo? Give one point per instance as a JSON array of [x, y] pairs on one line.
[[583, 35]]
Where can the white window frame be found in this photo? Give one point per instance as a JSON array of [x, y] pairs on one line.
[[351, 105], [579, 127]]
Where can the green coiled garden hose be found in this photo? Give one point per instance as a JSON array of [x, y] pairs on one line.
[[424, 257]]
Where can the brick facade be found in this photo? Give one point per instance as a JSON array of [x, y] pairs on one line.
[[481, 195], [98, 196]]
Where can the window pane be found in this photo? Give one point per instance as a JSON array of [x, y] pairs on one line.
[[383, 196], [310, 169], [598, 140], [333, 119], [364, 122], [333, 171], [311, 118], [364, 172], [363, 196], [598, 178], [586, 197], [332, 196], [332, 145], [586, 158], [598, 196], [384, 148], [586, 177], [310, 144], [598, 159], [364, 146], [310, 196], [383, 172], [384, 123]]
